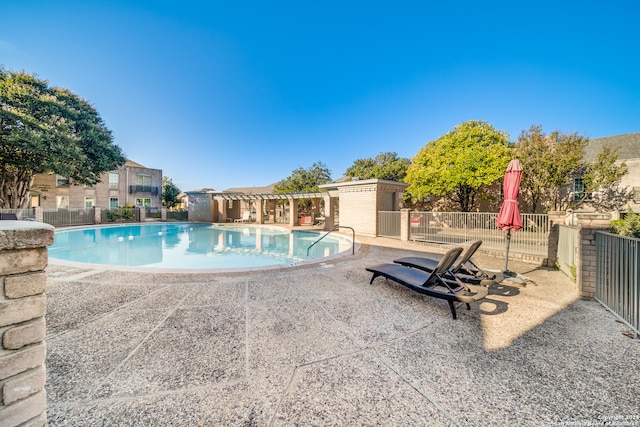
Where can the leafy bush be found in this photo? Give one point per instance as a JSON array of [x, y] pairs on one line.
[[629, 226]]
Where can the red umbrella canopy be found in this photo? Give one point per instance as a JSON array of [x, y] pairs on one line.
[[509, 217]]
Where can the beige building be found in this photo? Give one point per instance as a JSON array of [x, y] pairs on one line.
[[131, 184]]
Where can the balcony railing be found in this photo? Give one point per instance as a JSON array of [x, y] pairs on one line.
[[144, 189]]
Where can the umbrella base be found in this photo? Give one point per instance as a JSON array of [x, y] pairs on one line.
[[511, 276], [517, 278]]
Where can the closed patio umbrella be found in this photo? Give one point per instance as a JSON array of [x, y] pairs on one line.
[[509, 217]]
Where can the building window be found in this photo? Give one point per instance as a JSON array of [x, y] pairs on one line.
[[113, 203], [579, 190], [89, 201], [62, 202], [143, 180], [114, 181], [62, 181], [143, 202]]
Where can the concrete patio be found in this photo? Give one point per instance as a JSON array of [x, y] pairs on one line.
[[318, 345]]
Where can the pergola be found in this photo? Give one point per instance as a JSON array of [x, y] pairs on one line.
[[223, 211]]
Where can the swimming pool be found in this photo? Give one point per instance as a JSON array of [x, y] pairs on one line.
[[191, 246]]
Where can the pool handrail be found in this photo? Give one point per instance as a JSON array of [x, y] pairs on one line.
[[353, 238]]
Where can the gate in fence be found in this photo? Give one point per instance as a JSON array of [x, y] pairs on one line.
[[567, 246]]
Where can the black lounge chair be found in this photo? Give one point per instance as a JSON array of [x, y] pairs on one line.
[[434, 283], [8, 216], [463, 268]]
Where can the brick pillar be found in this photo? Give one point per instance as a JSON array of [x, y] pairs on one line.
[[555, 218], [293, 211], [405, 224], [588, 224], [329, 211], [143, 213], [163, 214], [97, 215], [259, 211], [23, 259], [38, 214]]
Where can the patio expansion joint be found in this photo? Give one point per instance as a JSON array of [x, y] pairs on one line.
[[75, 277], [414, 386], [170, 313], [105, 314]]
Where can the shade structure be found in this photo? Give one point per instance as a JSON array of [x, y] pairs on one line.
[[509, 217]]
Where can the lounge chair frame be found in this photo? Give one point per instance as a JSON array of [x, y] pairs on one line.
[[463, 268], [436, 283]]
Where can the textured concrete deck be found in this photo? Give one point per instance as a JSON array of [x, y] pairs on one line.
[[318, 345]]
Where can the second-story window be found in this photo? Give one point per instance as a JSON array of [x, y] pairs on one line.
[[143, 180], [62, 181], [114, 181]]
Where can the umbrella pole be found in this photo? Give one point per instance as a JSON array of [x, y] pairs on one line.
[[506, 258]]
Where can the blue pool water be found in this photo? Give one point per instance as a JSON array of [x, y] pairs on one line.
[[191, 246]]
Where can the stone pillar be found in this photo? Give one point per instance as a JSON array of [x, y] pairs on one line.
[[143, 213], [97, 215], [329, 211], [405, 224], [23, 259], [259, 211], [38, 214], [588, 224], [293, 212], [163, 214], [555, 218]]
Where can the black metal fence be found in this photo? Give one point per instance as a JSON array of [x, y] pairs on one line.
[[617, 282]]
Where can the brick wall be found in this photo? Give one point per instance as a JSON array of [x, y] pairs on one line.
[[588, 224], [358, 208], [23, 258]]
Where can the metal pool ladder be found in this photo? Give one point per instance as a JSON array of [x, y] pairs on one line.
[[353, 238]]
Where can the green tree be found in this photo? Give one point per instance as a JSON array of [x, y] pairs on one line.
[[551, 162], [48, 130], [461, 164], [170, 193], [602, 182], [303, 180], [384, 166]]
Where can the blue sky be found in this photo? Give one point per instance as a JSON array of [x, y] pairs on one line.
[[227, 94]]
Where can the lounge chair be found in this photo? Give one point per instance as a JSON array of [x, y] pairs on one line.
[[246, 217], [463, 268], [8, 216], [433, 283]]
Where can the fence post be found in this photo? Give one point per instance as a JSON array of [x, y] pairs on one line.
[[37, 214], [97, 215], [554, 218], [405, 224], [143, 213], [23, 259], [588, 224]]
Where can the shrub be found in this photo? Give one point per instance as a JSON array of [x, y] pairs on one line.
[[629, 226]]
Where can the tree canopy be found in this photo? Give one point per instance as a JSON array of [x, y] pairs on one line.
[[384, 166], [602, 179], [170, 193], [304, 180], [460, 164], [551, 162], [48, 130]]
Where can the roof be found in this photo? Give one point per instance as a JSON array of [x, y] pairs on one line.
[[133, 164], [251, 190], [629, 146]]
